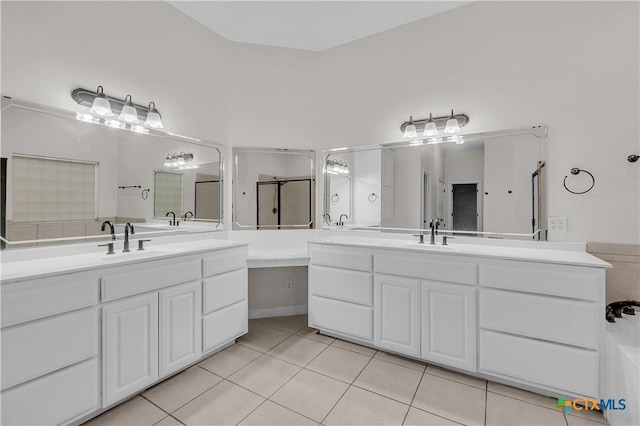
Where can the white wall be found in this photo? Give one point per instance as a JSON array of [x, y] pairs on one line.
[[564, 64]]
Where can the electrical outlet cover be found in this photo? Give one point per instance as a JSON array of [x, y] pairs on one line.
[[557, 224]]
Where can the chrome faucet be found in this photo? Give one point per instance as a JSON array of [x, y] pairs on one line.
[[434, 230], [340, 222], [113, 231], [327, 218], [185, 215], [126, 236], [171, 222]]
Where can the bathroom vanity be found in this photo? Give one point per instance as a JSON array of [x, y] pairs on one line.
[[82, 332], [526, 316]]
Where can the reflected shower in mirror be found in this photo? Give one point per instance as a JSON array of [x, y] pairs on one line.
[[488, 185], [273, 189], [68, 172]]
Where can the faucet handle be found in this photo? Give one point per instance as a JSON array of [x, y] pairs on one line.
[[421, 238], [141, 244], [445, 238], [109, 248]]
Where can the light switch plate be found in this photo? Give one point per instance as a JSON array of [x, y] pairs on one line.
[[557, 224]]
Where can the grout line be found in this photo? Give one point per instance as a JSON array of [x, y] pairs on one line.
[[252, 411], [486, 406], [197, 396], [150, 402], [522, 400], [414, 396], [294, 411]]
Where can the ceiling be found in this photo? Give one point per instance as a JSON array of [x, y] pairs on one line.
[[307, 25]]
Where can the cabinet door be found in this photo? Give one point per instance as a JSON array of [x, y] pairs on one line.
[[130, 346], [448, 324], [397, 314], [180, 336]]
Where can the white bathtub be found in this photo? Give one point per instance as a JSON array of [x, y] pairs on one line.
[[623, 369]]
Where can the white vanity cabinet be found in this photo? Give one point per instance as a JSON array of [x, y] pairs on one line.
[[50, 349], [534, 323], [341, 292]]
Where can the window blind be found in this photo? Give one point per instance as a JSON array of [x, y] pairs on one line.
[[48, 189], [168, 193]]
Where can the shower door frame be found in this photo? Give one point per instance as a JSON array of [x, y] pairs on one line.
[[279, 184]]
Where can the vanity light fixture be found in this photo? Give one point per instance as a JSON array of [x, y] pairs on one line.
[[153, 117], [337, 167], [180, 161], [129, 112], [101, 105], [432, 126], [125, 110], [410, 130], [452, 125]]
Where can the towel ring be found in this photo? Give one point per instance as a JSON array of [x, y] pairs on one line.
[[335, 198], [576, 171], [145, 193], [372, 197]]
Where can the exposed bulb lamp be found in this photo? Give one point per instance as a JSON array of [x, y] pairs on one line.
[[101, 105], [410, 130], [430, 128], [337, 167], [452, 125], [129, 113]]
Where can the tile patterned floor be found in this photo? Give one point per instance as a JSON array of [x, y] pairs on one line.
[[283, 373]]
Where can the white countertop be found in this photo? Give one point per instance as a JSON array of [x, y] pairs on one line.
[[526, 254], [64, 264]]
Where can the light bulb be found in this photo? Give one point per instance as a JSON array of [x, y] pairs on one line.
[[430, 128], [128, 113], [174, 160], [452, 125], [181, 161], [167, 161], [101, 105], [153, 117], [410, 131]]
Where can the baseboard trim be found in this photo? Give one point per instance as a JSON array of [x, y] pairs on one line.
[[278, 311]]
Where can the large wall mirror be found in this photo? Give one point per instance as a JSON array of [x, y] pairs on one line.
[[489, 185], [273, 189], [68, 172]]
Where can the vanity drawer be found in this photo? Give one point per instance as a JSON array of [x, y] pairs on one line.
[[349, 286], [224, 290], [53, 399], [30, 300], [341, 317], [224, 261], [561, 320], [224, 325], [557, 280], [558, 366], [148, 276], [341, 257], [427, 266], [37, 348]]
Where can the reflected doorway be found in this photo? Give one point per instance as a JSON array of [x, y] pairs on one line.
[[464, 213]]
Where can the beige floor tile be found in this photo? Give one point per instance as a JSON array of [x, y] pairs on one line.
[[458, 377], [265, 375], [405, 362], [594, 416], [522, 395], [502, 410], [298, 350], [313, 334], [339, 363], [181, 388], [256, 322], [137, 411], [353, 347], [224, 404], [361, 407], [417, 417], [263, 338], [230, 360], [168, 421], [391, 380], [272, 414], [580, 421], [289, 324], [310, 394], [452, 400]]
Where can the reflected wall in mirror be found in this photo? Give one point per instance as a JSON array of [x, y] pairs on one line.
[[67, 172], [490, 184], [273, 189]]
